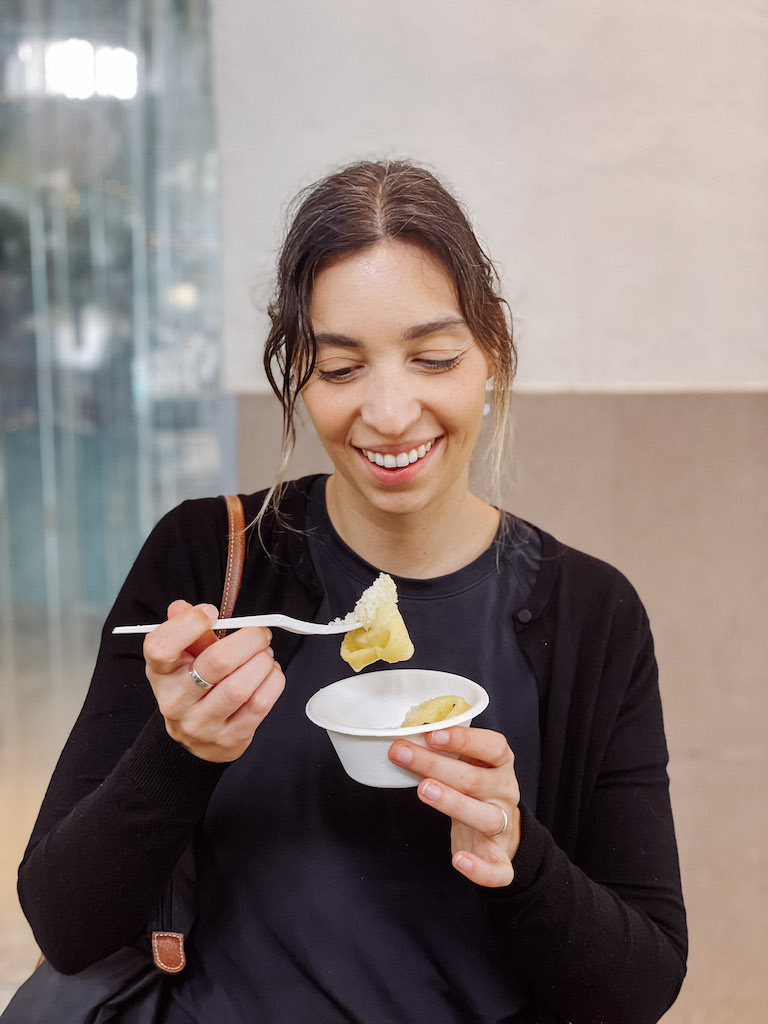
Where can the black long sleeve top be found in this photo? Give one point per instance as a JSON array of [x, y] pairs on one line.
[[594, 916]]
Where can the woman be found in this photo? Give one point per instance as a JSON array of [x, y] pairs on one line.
[[534, 877]]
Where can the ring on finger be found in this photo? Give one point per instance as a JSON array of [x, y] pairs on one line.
[[198, 679], [504, 825]]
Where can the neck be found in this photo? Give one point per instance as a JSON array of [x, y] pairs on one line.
[[420, 544]]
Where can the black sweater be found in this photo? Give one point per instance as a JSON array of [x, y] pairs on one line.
[[594, 915]]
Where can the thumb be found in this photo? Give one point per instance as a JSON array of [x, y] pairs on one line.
[[207, 638]]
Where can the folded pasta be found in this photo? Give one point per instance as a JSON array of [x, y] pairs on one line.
[[382, 635], [436, 710]]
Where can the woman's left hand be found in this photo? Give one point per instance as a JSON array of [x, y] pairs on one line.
[[478, 791]]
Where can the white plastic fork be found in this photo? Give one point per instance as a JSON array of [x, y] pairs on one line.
[[278, 620]]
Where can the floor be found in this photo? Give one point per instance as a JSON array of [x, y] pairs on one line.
[[27, 762], [41, 696]]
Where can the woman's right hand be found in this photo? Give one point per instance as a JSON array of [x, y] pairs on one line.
[[216, 724]]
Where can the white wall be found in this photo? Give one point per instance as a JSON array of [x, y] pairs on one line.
[[614, 155]]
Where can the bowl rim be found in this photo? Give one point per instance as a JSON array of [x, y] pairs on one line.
[[478, 706]]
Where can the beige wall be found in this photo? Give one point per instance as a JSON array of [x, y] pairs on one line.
[[614, 154], [672, 489]]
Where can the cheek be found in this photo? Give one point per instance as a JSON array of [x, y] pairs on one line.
[[464, 411], [328, 412]]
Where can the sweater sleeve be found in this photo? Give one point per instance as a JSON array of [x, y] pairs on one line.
[[124, 798], [600, 931]]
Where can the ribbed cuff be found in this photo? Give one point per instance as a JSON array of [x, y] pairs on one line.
[[530, 853], [168, 774], [528, 860]]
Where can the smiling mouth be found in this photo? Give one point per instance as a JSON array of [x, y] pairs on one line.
[[398, 460]]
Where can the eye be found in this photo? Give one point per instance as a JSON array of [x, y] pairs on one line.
[[436, 365], [337, 376]]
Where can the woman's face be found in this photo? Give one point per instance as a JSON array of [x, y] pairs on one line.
[[398, 391]]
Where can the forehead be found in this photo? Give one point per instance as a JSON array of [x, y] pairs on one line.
[[392, 279]]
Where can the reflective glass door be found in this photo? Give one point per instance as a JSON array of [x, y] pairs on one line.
[[109, 317]]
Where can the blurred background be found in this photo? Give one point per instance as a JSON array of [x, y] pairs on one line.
[[615, 159]]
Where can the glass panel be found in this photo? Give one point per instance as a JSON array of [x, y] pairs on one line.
[[109, 320]]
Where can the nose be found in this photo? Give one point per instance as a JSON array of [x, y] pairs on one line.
[[390, 407]]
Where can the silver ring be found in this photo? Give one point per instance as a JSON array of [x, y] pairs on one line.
[[198, 679], [503, 827]]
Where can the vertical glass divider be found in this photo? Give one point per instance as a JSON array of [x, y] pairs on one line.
[[141, 282], [45, 397]]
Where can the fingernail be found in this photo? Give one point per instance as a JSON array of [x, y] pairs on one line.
[[403, 755], [462, 862], [431, 791], [440, 737]]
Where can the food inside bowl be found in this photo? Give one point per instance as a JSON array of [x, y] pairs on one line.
[[435, 710], [383, 635]]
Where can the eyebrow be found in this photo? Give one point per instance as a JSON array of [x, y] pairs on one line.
[[444, 323]]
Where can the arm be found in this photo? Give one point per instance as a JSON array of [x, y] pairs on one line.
[[601, 933], [125, 796], [89, 883]]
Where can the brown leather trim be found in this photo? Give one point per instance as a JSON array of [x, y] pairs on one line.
[[168, 951], [235, 558]]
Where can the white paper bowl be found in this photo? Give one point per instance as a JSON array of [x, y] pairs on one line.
[[360, 714]]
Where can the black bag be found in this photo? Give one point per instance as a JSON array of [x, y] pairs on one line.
[[129, 987], [124, 987]]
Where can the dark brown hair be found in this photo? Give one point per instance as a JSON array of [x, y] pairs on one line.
[[358, 206]]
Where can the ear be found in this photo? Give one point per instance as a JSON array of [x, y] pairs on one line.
[[491, 363]]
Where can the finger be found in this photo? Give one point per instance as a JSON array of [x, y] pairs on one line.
[[208, 731], [238, 686], [483, 746], [177, 693], [221, 659], [177, 607], [165, 647], [489, 819], [262, 700], [461, 775], [493, 874], [207, 638]]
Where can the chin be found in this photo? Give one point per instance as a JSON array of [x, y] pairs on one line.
[[398, 502]]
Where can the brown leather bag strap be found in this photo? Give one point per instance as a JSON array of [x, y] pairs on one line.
[[235, 558], [168, 947]]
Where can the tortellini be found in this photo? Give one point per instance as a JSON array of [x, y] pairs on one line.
[[382, 635], [436, 710]]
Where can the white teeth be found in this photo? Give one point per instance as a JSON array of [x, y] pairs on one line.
[[400, 460]]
